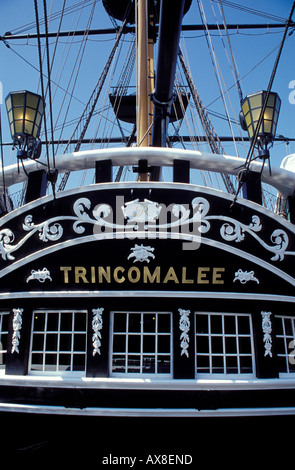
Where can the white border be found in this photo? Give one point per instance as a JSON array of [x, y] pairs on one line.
[[149, 413]]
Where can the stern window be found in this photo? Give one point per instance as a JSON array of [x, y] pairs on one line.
[[58, 341], [224, 344], [4, 316], [285, 344], [141, 343]]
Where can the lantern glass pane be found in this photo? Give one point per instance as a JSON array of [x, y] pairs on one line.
[[18, 113], [278, 104], [41, 107], [271, 100], [250, 131], [245, 107], [32, 100], [248, 119], [18, 127], [12, 131], [10, 116], [256, 114], [28, 127], [18, 99], [38, 119], [8, 103], [268, 114], [255, 101], [30, 114], [267, 127], [35, 131]]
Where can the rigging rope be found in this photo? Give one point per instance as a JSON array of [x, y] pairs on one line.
[[92, 103], [41, 78], [49, 80], [215, 64]]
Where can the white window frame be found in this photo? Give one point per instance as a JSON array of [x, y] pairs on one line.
[[239, 374], [59, 370], [2, 333], [141, 353], [288, 351]]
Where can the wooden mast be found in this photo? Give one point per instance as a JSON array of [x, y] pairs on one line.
[[142, 107]]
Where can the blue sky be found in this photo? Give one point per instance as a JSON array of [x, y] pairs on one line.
[[254, 50]]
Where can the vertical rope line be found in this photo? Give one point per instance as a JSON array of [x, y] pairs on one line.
[[41, 77], [49, 79]]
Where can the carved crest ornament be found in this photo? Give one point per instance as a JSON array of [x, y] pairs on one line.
[[148, 216]]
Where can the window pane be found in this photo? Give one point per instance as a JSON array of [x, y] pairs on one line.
[[118, 364], [203, 344], [217, 344], [148, 366], [80, 321], [164, 323], [55, 341], [134, 322], [144, 346], [229, 324], [243, 325], [120, 322], [230, 345], [65, 342], [38, 342], [220, 348], [52, 321], [79, 342], [232, 365], [39, 321], [134, 364], [164, 344], [134, 343], [149, 323], [149, 343], [66, 321], [163, 365], [119, 343], [203, 364], [202, 323], [216, 323], [51, 342]]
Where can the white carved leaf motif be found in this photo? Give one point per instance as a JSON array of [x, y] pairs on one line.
[[141, 253], [97, 324], [267, 329], [184, 326], [16, 325], [245, 276], [40, 275]]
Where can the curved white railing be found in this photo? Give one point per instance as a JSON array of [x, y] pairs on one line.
[[283, 178]]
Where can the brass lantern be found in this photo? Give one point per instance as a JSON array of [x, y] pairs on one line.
[[25, 111], [252, 106]]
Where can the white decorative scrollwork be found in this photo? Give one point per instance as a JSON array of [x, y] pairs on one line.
[[245, 276], [48, 230], [184, 326], [267, 329], [40, 275], [97, 323], [141, 253], [141, 211], [146, 215], [16, 325]]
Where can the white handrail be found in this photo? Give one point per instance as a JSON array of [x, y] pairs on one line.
[[280, 178]]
